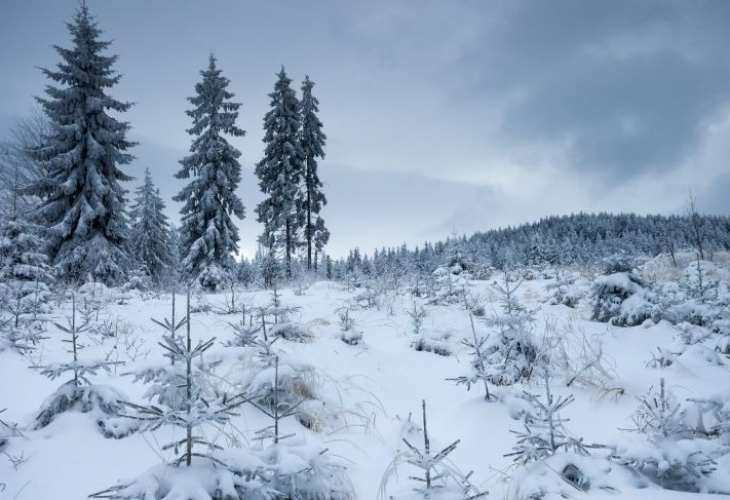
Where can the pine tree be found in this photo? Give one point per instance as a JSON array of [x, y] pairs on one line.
[[82, 204], [312, 140], [280, 172], [150, 235], [208, 234]]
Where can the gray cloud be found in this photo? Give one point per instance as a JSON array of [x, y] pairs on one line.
[[440, 115]]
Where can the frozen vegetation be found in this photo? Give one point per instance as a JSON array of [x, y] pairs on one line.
[[560, 404]]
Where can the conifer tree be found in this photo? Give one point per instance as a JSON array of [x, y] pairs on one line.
[[313, 141], [207, 232], [82, 204], [150, 235], [280, 172]]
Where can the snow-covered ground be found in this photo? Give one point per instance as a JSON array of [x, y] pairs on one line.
[[370, 391]]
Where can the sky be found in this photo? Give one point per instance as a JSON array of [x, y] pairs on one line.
[[442, 116]]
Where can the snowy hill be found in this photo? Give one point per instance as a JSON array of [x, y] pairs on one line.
[[361, 400]]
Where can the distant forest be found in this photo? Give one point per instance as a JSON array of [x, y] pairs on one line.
[[585, 239]]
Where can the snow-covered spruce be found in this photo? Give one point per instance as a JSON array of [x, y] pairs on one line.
[[24, 270], [78, 393], [280, 173], [149, 240], [208, 235], [621, 298], [82, 207], [312, 142]]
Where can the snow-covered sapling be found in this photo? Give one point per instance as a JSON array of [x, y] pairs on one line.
[[297, 472], [621, 298], [78, 393], [479, 363], [186, 403], [424, 342], [348, 333], [668, 455], [244, 334], [560, 291], [545, 433], [438, 476], [170, 326], [195, 405], [513, 354]]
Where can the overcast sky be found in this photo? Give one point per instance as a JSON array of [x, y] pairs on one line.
[[441, 116]]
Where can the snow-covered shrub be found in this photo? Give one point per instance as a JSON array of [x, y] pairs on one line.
[[569, 475], [289, 330], [435, 344], [450, 285], [699, 298], [622, 299], [561, 291], [440, 479], [426, 341], [234, 476], [348, 333], [138, 279], [666, 453], [578, 358], [512, 353]]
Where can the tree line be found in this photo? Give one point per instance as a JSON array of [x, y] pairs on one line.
[[63, 170]]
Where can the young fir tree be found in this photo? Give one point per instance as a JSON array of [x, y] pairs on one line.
[[82, 204], [78, 393], [280, 172], [150, 235], [207, 233], [185, 399], [312, 141]]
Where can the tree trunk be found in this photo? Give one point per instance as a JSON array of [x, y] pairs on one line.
[[310, 232], [288, 248]]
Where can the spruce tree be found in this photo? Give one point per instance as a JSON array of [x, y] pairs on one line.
[[207, 233], [150, 235], [312, 141], [82, 204], [280, 172]]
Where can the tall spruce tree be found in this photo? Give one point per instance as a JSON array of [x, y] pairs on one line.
[[313, 141], [82, 204], [208, 236], [280, 172], [150, 235]]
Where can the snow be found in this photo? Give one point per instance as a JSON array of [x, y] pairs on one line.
[[367, 395]]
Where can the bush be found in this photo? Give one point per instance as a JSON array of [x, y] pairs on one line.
[[621, 299]]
